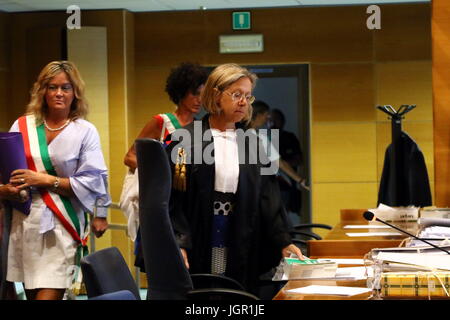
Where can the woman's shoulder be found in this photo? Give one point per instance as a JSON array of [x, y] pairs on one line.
[[82, 123], [85, 128]]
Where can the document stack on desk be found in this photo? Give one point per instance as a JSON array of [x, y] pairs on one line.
[[396, 214], [407, 274], [295, 269], [435, 213], [434, 230]]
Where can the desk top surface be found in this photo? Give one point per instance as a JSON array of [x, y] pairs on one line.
[[340, 233], [283, 294], [337, 244]]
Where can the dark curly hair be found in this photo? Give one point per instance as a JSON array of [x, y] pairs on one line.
[[185, 78]]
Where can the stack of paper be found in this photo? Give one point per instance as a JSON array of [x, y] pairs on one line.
[[330, 290], [374, 234], [427, 261], [309, 269]]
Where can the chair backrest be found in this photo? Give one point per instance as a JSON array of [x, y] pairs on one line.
[[214, 294], [208, 280], [118, 295], [167, 276], [105, 271]]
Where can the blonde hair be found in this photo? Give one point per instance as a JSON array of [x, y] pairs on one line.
[[38, 105], [219, 80]]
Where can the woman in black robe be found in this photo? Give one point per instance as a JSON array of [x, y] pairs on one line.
[[226, 213]]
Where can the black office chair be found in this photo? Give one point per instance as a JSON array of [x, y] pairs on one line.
[[215, 294], [301, 233], [208, 280], [167, 276], [117, 295], [105, 271]]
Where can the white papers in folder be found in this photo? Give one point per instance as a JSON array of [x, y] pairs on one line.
[[428, 260], [373, 234], [330, 290], [344, 261]]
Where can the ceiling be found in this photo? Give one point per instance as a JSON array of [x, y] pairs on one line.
[[172, 5]]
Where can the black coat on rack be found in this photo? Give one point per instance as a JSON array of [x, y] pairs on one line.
[[404, 180]]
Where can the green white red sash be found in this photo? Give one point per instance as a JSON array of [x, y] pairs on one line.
[[167, 122], [38, 159]]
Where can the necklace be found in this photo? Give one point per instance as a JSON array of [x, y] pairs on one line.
[[56, 129]]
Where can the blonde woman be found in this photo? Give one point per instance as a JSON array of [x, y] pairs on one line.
[[67, 177], [227, 216]]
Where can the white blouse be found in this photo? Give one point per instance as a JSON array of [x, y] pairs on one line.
[[226, 160]]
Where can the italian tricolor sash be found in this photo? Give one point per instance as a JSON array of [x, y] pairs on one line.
[[169, 122], [38, 159]]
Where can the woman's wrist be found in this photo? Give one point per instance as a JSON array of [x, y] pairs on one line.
[[53, 182]]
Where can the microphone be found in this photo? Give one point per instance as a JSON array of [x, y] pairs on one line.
[[371, 217]]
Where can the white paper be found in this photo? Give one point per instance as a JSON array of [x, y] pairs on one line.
[[366, 226], [372, 234], [330, 290], [344, 261], [354, 273], [429, 260]]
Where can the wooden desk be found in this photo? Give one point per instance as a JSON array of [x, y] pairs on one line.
[[337, 244], [284, 295]]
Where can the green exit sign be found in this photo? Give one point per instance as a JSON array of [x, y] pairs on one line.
[[241, 20]]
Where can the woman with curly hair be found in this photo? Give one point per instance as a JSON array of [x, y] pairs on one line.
[[184, 86]]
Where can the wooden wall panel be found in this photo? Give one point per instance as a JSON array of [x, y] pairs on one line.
[[297, 35], [290, 35], [343, 152], [405, 33], [405, 82], [4, 123], [329, 198], [130, 73], [152, 81], [441, 99], [87, 48], [342, 92], [163, 38], [25, 51]]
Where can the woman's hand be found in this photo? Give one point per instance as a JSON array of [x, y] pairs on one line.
[[98, 226], [292, 249], [24, 178], [10, 192], [185, 258]]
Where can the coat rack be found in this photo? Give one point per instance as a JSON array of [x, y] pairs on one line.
[[396, 117]]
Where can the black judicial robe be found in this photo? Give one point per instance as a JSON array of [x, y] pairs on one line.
[[411, 178], [258, 225]]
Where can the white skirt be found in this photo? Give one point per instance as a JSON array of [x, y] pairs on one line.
[[39, 260]]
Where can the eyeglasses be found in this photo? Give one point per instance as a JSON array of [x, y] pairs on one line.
[[65, 88], [237, 96]]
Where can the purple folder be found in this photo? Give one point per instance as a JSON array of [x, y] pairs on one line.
[[12, 157]]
